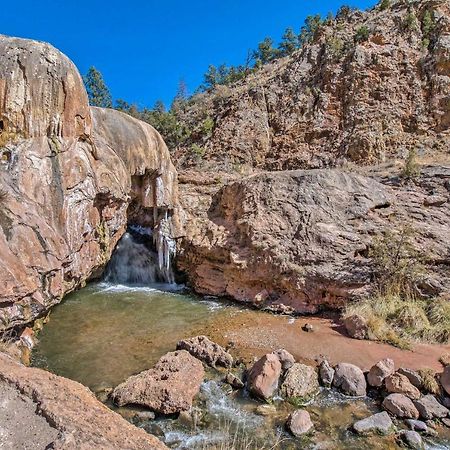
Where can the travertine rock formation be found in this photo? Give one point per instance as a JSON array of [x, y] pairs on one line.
[[70, 178], [301, 238], [337, 99]]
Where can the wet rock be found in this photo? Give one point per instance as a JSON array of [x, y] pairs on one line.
[[446, 402], [400, 384], [168, 388], [207, 351], [416, 425], [380, 371], [413, 376], [349, 379], [411, 439], [234, 381], [378, 423], [400, 406], [286, 359], [266, 410], [300, 383], [429, 408], [264, 376], [299, 423], [356, 326], [326, 373], [445, 380]]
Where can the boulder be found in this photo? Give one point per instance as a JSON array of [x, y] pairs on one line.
[[400, 406], [417, 425], [264, 376], [400, 384], [356, 326], [445, 380], [349, 379], [379, 423], [413, 376], [286, 359], [411, 439], [380, 371], [300, 383], [207, 351], [326, 373], [77, 418], [429, 408], [168, 388], [299, 422]]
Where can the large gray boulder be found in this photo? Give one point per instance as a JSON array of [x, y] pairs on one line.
[[349, 379], [429, 408], [379, 423]]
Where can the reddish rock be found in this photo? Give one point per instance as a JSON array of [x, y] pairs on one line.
[[286, 359], [299, 422], [300, 383], [82, 421], [413, 376], [400, 384], [356, 326], [400, 406], [349, 379], [168, 388], [264, 376], [67, 175], [207, 351], [380, 371]]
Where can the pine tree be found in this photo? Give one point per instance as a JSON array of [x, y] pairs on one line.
[[266, 52], [309, 29], [97, 90], [289, 42]]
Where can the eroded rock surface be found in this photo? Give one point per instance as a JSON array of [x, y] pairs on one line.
[[264, 376], [68, 416], [70, 178], [301, 238], [168, 388]]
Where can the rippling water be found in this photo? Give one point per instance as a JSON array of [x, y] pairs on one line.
[[104, 333]]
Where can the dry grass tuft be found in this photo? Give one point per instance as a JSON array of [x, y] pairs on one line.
[[396, 314], [429, 382], [445, 359]]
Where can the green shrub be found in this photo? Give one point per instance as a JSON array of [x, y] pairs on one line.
[[384, 4], [362, 34], [335, 47], [410, 22], [198, 151], [411, 168]]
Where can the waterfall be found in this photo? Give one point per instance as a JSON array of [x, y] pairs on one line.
[[135, 261]]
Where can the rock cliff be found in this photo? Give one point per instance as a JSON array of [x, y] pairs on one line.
[[71, 177], [370, 85], [301, 238]]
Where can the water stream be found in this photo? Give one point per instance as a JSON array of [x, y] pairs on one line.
[[102, 334]]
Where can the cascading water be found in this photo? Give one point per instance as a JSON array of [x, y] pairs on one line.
[[143, 256]]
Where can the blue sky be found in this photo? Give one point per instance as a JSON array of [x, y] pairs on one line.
[[143, 48]]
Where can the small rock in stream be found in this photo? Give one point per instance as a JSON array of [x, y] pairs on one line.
[[299, 422], [378, 423], [411, 439]]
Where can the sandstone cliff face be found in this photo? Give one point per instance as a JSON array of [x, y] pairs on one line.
[[336, 100], [70, 178], [301, 238]]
